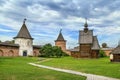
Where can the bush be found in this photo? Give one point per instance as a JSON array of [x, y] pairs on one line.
[[41, 55], [30, 56], [65, 54], [51, 51], [102, 53]]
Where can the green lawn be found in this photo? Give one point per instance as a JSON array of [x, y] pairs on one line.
[[101, 66], [18, 69]]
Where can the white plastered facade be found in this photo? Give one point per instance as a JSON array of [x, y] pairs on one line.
[[25, 45]]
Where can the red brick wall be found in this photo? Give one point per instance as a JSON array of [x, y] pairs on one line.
[[36, 52], [61, 44], [9, 51]]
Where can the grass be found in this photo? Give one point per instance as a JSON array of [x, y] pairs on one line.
[[101, 66], [18, 69]]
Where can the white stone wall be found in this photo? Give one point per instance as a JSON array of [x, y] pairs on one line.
[[25, 45]]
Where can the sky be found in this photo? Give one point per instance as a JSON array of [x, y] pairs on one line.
[[45, 18]]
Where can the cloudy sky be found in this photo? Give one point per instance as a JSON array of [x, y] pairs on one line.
[[45, 18]]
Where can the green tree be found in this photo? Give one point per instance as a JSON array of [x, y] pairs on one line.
[[46, 50], [104, 45], [10, 42], [51, 51], [57, 51], [102, 53]]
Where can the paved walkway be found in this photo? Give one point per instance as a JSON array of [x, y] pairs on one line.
[[89, 76]]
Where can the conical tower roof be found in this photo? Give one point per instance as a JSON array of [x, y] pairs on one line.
[[60, 37], [24, 33]]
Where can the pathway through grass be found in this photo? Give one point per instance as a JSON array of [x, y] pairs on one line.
[[19, 69], [100, 66]]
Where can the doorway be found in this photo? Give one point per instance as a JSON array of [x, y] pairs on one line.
[[25, 53]]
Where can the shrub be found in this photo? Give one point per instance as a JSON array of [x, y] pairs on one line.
[[65, 54], [30, 56], [102, 53], [51, 51]]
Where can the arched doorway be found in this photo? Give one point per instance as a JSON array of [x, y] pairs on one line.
[[1, 53], [11, 53], [25, 53]]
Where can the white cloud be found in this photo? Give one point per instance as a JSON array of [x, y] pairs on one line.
[[101, 10], [44, 20], [95, 21], [42, 13], [5, 38], [5, 30], [114, 15]]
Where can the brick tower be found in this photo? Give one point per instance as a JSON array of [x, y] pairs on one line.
[[60, 42]]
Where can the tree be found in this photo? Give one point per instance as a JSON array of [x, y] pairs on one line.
[[51, 51], [46, 50], [104, 45], [13, 41], [57, 51], [102, 53], [10, 42]]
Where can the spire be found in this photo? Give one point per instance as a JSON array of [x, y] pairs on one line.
[[60, 30], [60, 36], [86, 26], [24, 21], [24, 33]]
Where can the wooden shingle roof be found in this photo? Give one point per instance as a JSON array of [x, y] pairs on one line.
[[116, 50], [60, 37], [24, 33], [86, 37], [95, 45]]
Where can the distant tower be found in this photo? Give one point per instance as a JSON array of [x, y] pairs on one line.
[[25, 41], [60, 42]]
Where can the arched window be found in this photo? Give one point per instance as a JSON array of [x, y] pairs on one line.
[[1, 53]]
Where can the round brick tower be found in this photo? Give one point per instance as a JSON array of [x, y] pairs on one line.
[[60, 42]]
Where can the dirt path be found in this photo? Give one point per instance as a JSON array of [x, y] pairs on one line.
[[89, 76]]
